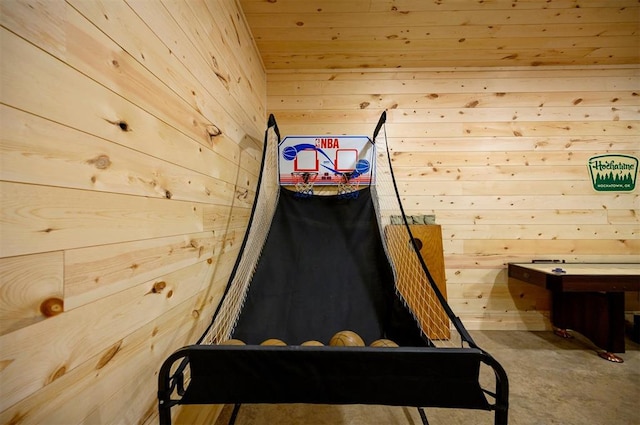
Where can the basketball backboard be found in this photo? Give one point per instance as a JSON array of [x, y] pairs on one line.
[[330, 156]]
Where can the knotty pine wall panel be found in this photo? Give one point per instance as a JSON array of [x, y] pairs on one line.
[[130, 150], [500, 157], [426, 34]]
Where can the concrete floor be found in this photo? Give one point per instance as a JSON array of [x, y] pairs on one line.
[[552, 381]]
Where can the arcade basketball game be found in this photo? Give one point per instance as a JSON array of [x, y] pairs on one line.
[[329, 301]]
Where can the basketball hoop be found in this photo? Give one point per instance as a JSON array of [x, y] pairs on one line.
[[304, 183], [347, 187]]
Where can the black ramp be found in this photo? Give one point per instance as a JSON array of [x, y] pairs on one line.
[[323, 269]]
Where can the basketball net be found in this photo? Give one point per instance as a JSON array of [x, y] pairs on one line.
[[304, 183], [348, 187]]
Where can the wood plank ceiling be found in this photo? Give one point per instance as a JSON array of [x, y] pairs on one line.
[[332, 34]]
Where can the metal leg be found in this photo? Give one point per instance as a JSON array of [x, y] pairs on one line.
[[602, 353], [234, 414], [423, 416], [562, 333], [501, 417], [164, 413], [610, 357]]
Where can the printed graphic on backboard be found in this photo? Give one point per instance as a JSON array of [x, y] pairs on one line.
[[330, 156]]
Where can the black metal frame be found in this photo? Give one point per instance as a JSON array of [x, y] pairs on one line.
[[410, 376]]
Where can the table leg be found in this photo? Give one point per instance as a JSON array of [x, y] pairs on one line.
[[597, 315], [610, 357], [563, 333]]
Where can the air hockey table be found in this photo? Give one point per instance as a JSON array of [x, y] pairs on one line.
[[585, 297]]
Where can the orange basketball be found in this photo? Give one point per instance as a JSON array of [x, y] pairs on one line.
[[383, 343], [273, 341], [232, 342], [312, 343], [346, 339]]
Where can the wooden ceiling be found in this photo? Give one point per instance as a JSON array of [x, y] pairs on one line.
[[331, 34]]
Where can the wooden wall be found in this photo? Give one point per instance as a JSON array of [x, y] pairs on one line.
[[130, 146], [330, 34], [500, 157]]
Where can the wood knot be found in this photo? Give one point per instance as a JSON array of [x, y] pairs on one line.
[[224, 80], [213, 131], [58, 373], [17, 418], [52, 307], [242, 195], [158, 287], [111, 352], [101, 162], [121, 123]]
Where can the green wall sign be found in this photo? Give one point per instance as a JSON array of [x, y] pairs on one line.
[[613, 172]]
